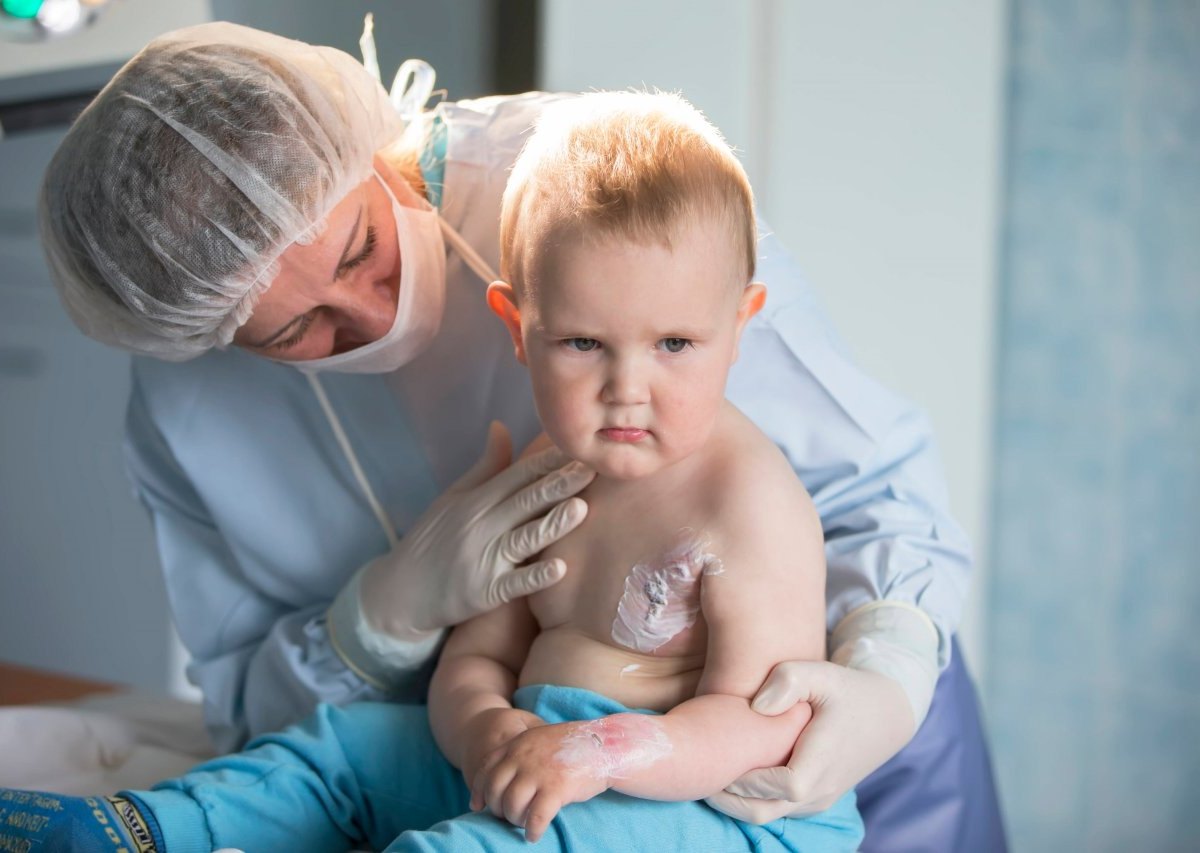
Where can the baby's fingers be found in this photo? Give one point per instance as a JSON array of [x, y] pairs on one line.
[[478, 798], [477, 801], [479, 783], [517, 798], [541, 811], [493, 786]]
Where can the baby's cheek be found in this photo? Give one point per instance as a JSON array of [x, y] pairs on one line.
[[564, 431], [555, 415], [565, 419], [689, 425]]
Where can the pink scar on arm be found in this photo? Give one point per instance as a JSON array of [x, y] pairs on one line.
[[614, 747]]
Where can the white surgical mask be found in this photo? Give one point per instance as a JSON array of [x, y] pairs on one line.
[[421, 301]]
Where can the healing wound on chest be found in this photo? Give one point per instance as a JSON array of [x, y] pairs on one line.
[[661, 597]]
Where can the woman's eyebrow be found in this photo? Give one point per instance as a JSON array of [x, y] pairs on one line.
[[266, 342]]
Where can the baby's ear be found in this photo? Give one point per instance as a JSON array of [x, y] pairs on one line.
[[503, 302], [749, 304]]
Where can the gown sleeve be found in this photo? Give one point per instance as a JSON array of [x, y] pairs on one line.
[[260, 663], [866, 455]]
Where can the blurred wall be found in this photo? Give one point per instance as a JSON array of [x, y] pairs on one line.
[[1095, 665], [871, 133], [455, 36], [79, 586]]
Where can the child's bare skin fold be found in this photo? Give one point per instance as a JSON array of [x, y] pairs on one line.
[[699, 548]]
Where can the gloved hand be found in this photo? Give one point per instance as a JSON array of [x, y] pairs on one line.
[[461, 558], [867, 704]]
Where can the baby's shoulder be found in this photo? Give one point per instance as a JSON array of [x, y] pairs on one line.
[[744, 459], [754, 492]]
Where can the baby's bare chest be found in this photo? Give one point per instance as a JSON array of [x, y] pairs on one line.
[[634, 579]]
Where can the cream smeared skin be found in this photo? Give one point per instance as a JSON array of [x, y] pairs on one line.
[[662, 596], [614, 747]]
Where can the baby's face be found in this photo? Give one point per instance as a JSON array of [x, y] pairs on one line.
[[629, 345]]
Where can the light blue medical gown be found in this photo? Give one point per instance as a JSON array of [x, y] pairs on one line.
[[259, 520]]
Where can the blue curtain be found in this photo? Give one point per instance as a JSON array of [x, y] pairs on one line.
[[1094, 646]]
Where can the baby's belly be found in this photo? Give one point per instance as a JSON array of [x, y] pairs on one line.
[[657, 682]]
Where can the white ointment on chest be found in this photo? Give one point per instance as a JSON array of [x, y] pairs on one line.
[[662, 597]]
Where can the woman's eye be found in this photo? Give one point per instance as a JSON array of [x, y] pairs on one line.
[[675, 345], [581, 344], [364, 254], [295, 338]]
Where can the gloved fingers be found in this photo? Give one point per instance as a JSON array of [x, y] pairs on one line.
[[528, 580], [767, 783], [526, 471], [531, 538], [794, 681], [751, 810], [497, 454], [805, 793], [537, 498]]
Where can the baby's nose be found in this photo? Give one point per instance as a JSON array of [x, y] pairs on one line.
[[627, 383]]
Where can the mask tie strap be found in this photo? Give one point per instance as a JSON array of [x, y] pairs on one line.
[[412, 88], [413, 84], [366, 45], [481, 268], [474, 260], [340, 434]]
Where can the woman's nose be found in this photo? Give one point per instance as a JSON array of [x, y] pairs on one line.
[[365, 312]]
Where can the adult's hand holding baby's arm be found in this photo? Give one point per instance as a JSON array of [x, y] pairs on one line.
[[462, 558], [867, 704]]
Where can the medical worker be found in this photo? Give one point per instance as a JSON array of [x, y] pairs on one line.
[[299, 263]]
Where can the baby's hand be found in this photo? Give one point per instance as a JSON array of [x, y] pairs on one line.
[[527, 780], [490, 730]]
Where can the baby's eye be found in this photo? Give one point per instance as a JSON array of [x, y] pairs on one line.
[[581, 344], [675, 345]]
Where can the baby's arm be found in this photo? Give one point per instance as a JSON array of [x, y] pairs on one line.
[[469, 708]]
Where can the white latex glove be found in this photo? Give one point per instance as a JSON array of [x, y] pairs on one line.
[[463, 557], [867, 704]]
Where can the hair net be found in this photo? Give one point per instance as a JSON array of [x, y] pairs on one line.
[[166, 207]]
